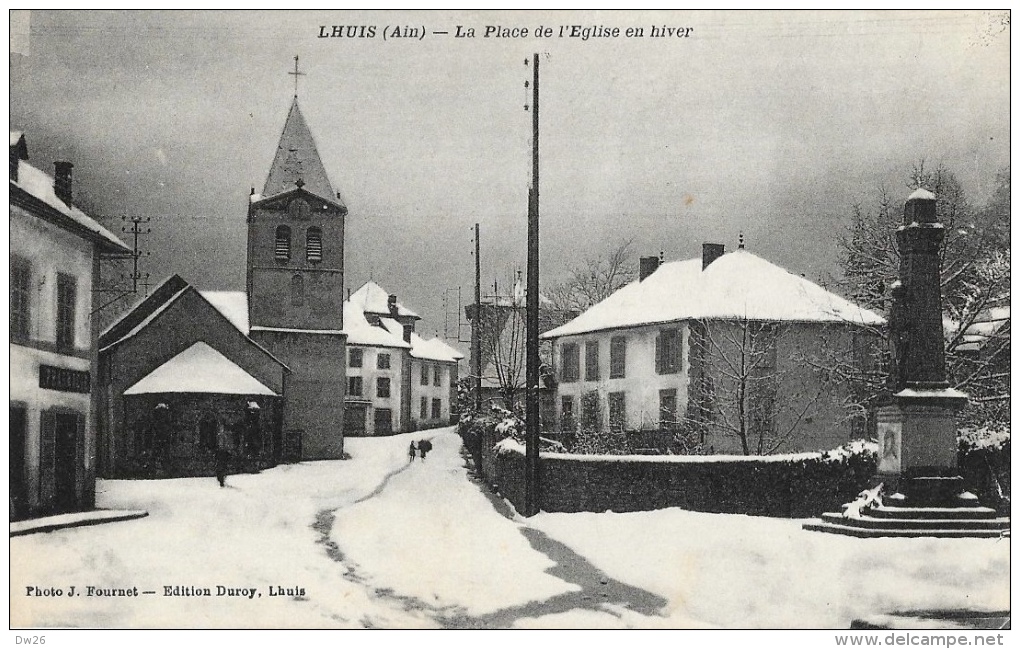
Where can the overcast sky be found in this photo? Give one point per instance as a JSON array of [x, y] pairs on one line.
[[770, 123]]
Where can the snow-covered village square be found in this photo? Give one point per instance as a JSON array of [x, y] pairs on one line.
[[675, 320]]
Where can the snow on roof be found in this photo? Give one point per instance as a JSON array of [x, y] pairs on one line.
[[40, 185], [360, 332], [232, 304], [985, 326], [201, 369], [433, 349], [15, 136], [373, 298], [736, 285], [921, 193]]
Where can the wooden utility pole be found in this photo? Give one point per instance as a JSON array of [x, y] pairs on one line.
[[531, 492], [476, 329]]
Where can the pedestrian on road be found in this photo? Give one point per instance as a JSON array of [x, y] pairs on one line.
[[412, 451], [424, 446], [222, 458]]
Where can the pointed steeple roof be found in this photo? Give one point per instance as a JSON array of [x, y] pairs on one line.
[[296, 160]]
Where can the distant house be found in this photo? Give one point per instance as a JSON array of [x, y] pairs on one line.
[[54, 272], [397, 381], [729, 348], [180, 377], [500, 322], [981, 352]]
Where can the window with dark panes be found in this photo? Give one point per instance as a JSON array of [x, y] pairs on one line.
[[67, 293], [424, 408], [355, 357], [617, 410], [668, 351], [382, 387], [424, 374], [437, 408], [617, 357], [21, 309], [354, 386], [570, 360], [437, 376], [567, 413], [591, 360], [591, 419], [667, 409], [382, 362]]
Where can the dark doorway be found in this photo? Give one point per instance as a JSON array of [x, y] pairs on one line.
[[19, 486], [65, 461], [207, 431], [354, 420], [383, 421]]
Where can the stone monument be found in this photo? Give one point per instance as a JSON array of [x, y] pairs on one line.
[[921, 492]]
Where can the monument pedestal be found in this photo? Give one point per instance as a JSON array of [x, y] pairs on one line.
[[921, 491]]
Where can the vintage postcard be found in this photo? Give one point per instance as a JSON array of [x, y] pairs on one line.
[[511, 320]]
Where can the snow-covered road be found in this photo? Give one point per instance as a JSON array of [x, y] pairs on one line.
[[376, 541]]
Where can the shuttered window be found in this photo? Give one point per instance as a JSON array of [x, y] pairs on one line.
[[571, 361], [591, 360], [313, 246], [67, 296], [617, 357], [21, 314], [668, 355], [617, 411], [283, 243]]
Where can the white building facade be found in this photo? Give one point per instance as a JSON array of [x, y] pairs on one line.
[[728, 346], [54, 265]]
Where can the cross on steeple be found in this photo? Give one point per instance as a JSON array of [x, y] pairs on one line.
[[296, 74]]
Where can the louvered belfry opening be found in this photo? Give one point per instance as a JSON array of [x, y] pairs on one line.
[[282, 243], [313, 245]]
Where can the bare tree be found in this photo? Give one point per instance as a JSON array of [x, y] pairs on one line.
[[975, 270], [741, 389], [594, 279], [502, 331]]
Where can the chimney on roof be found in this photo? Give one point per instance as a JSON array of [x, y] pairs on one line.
[[391, 304], [62, 180], [710, 252], [648, 266], [408, 328]]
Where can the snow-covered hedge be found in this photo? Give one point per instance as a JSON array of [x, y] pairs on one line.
[[796, 485]]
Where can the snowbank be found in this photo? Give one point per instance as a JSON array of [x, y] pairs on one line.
[[749, 572]]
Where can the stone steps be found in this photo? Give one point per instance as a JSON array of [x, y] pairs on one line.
[[913, 513], [847, 528], [866, 521]]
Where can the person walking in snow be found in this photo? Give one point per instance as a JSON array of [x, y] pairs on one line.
[[222, 458], [222, 454], [424, 446], [412, 451]]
